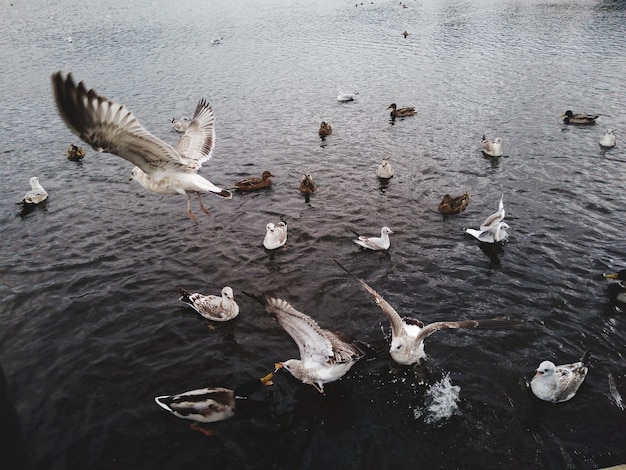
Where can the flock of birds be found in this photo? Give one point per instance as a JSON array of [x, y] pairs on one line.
[[325, 355]]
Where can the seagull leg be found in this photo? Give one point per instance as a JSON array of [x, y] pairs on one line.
[[193, 217], [206, 211]]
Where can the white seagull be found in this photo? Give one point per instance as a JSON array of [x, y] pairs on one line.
[[325, 356], [275, 235], [212, 307], [375, 243], [111, 127], [344, 97], [384, 170], [559, 383], [36, 195], [181, 124], [492, 149], [408, 334], [493, 228], [608, 140]]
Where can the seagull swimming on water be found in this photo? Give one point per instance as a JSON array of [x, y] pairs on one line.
[[493, 228], [212, 307], [559, 383], [112, 128], [375, 243], [608, 140], [36, 195], [325, 356], [408, 334], [492, 149]]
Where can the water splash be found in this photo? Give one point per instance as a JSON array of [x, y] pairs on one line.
[[615, 396], [440, 401]]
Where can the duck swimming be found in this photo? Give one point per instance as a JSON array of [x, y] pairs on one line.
[[453, 205], [253, 183], [307, 185], [400, 112], [325, 129], [75, 153], [571, 118]]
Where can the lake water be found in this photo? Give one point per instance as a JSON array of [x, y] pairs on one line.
[[91, 329]]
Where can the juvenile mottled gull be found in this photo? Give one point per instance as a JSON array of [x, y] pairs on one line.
[[111, 127], [36, 195], [559, 383], [408, 334], [212, 307], [325, 356]]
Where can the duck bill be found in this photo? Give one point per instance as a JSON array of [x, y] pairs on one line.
[[611, 276]]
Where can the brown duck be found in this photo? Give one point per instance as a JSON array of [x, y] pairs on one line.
[[325, 129], [307, 185], [400, 112], [253, 183], [453, 205], [75, 153]]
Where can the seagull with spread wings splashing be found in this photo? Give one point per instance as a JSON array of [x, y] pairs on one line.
[[408, 334], [112, 128], [325, 356]]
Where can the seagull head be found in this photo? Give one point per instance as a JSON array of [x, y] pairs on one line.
[[227, 293], [545, 369]]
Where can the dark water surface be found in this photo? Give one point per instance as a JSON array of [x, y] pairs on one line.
[[91, 328]]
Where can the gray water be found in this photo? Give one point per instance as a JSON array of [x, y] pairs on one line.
[[91, 329]]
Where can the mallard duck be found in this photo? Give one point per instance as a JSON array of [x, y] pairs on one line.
[[253, 183], [384, 170], [325, 356], [493, 228], [275, 235], [608, 140], [408, 334], [557, 384], [376, 243], [617, 290], [453, 205], [307, 185], [400, 112], [492, 149], [161, 168], [181, 124], [344, 97], [36, 195], [209, 405], [325, 129], [405, 34], [212, 307], [571, 118], [75, 153]]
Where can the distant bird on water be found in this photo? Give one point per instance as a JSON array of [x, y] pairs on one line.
[[325, 129], [75, 153], [375, 243], [36, 195], [453, 205], [570, 118], [492, 149], [111, 127], [400, 112], [617, 290], [275, 235], [307, 185], [557, 384], [405, 34], [254, 182], [344, 97], [384, 170], [608, 140]]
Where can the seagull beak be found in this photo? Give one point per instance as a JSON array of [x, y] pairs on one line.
[[611, 276], [277, 365], [539, 373]]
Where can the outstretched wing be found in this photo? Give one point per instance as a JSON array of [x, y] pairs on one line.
[[196, 144], [312, 341], [397, 324], [445, 325], [109, 127]]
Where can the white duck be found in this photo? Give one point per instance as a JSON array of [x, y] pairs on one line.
[[110, 127], [608, 140], [275, 235], [212, 307], [36, 195], [181, 124], [376, 243], [325, 356], [559, 383], [492, 149], [384, 170]]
